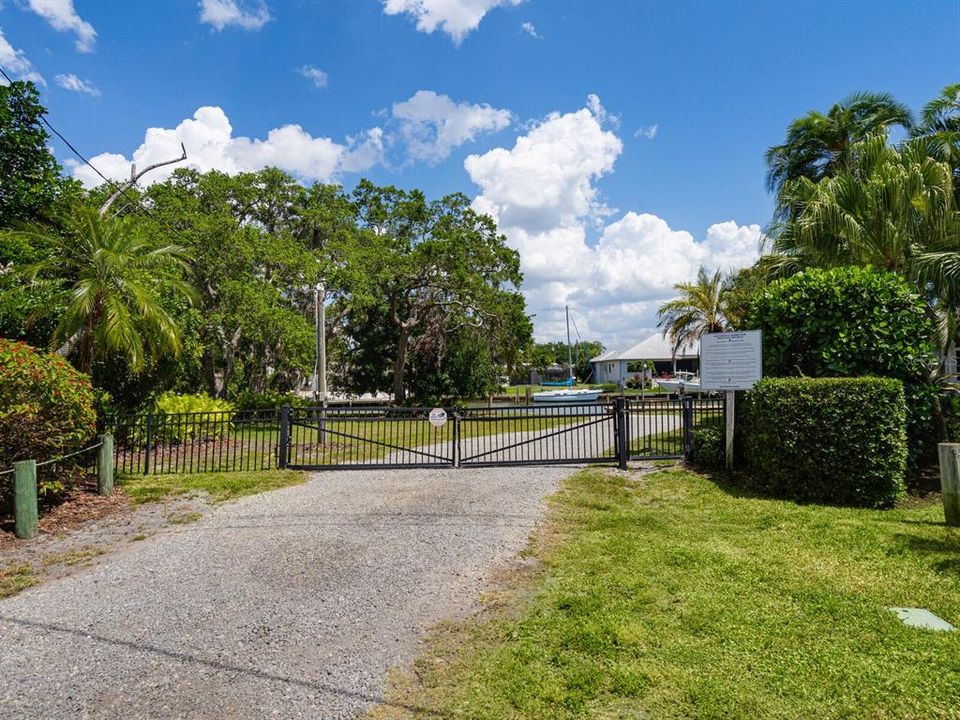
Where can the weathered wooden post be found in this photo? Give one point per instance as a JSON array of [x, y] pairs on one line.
[[950, 481], [25, 499], [105, 465]]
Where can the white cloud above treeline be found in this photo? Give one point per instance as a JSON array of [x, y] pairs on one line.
[[431, 125], [63, 17], [224, 13], [543, 193], [457, 18], [211, 145]]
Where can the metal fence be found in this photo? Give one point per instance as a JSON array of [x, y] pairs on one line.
[[394, 437], [159, 443]]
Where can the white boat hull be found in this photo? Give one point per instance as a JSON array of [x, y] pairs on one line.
[[674, 385], [561, 396]]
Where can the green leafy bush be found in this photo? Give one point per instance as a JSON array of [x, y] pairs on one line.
[[609, 387], [709, 445], [827, 440], [46, 409], [850, 322], [191, 417]]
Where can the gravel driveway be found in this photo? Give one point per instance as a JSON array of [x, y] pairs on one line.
[[289, 604]]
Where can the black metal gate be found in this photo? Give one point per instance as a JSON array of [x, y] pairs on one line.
[[537, 435], [346, 437], [314, 438]]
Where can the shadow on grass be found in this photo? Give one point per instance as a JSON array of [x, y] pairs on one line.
[[944, 552]]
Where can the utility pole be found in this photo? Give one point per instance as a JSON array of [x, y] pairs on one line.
[[135, 176], [320, 364], [569, 351]]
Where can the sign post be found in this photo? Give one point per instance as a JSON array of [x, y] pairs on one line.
[[730, 361]]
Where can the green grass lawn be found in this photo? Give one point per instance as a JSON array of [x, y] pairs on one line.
[[669, 597], [218, 486]]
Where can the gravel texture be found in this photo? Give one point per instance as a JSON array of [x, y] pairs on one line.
[[289, 604]]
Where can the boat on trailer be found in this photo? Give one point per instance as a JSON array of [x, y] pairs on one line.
[[583, 395], [567, 396]]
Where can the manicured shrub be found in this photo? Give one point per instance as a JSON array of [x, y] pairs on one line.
[[709, 445], [827, 440], [850, 322], [609, 387], [46, 409]]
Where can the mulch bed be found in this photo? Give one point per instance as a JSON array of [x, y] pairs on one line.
[[75, 507]]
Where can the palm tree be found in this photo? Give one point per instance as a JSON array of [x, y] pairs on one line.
[[940, 125], [819, 145], [700, 308], [112, 282], [892, 208]]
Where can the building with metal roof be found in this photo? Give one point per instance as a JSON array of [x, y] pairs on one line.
[[614, 366]]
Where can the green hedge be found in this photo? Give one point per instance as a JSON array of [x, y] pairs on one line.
[[709, 445], [827, 440], [853, 322]]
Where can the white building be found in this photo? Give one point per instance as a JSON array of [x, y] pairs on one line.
[[613, 366]]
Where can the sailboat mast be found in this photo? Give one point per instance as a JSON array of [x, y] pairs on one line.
[[569, 352]]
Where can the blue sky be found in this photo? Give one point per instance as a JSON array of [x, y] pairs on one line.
[[618, 144]]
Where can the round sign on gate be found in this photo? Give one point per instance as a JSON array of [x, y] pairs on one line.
[[438, 417]]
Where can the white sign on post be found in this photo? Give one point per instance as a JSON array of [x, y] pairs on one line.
[[730, 360]]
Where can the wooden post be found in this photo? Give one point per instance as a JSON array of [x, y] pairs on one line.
[[730, 415], [105, 466], [25, 499], [950, 481]]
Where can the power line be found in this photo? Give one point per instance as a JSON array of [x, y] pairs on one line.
[[43, 116]]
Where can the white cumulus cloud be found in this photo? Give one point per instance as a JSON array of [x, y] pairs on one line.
[[432, 125], [544, 196], [314, 74], [17, 64], [211, 145], [70, 81], [221, 13], [457, 18], [63, 17]]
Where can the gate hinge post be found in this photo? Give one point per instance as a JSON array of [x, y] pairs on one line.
[[284, 440], [687, 426], [621, 426]]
